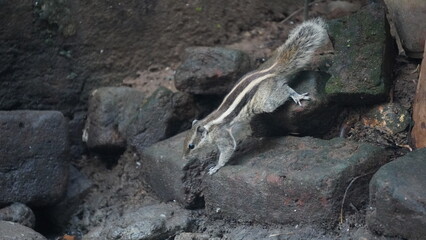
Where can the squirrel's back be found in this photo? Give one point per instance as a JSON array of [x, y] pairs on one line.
[[293, 55]]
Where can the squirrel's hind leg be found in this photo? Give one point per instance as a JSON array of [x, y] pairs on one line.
[[297, 98]]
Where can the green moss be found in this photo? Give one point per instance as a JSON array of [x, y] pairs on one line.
[[359, 43]]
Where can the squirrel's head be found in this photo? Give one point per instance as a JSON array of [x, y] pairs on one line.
[[196, 137]]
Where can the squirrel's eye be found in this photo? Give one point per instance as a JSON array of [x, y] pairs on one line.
[[191, 146], [200, 129]]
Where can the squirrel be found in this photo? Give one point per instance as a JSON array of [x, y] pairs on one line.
[[259, 91]]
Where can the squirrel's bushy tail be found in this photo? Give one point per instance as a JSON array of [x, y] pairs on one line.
[[302, 42]]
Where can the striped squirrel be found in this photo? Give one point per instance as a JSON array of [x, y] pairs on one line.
[[259, 91]]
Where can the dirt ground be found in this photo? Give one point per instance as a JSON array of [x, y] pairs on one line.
[[118, 186]]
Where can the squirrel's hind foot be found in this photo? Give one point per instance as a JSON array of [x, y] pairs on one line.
[[297, 98]]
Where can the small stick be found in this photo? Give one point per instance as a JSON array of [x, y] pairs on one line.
[[306, 10], [298, 10], [346, 192]]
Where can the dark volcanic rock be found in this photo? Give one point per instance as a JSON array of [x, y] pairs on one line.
[[164, 170], [210, 70], [15, 231], [159, 221], [287, 179], [163, 115], [361, 63], [18, 213], [293, 180], [111, 110], [34, 157], [119, 116], [406, 15], [77, 189], [398, 197]]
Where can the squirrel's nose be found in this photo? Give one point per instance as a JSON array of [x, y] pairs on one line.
[[191, 146]]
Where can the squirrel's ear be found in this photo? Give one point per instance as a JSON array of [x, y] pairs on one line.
[[194, 122]]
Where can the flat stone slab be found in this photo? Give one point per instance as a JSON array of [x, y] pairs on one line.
[[293, 180], [34, 157], [398, 197], [280, 180]]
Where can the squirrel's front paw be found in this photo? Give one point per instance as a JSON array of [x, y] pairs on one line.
[[213, 170]]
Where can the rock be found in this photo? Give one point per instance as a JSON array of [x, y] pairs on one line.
[[210, 70], [163, 170], [398, 197], [159, 221], [193, 236], [361, 64], [121, 116], [388, 117], [111, 110], [408, 15], [293, 180], [163, 115], [75, 131], [77, 189], [418, 133], [341, 8], [18, 213], [34, 157], [15, 231], [314, 117]]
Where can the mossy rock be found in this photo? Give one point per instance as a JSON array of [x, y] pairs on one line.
[[360, 69]]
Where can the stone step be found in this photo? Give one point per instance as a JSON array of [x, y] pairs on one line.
[[281, 180], [293, 180]]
